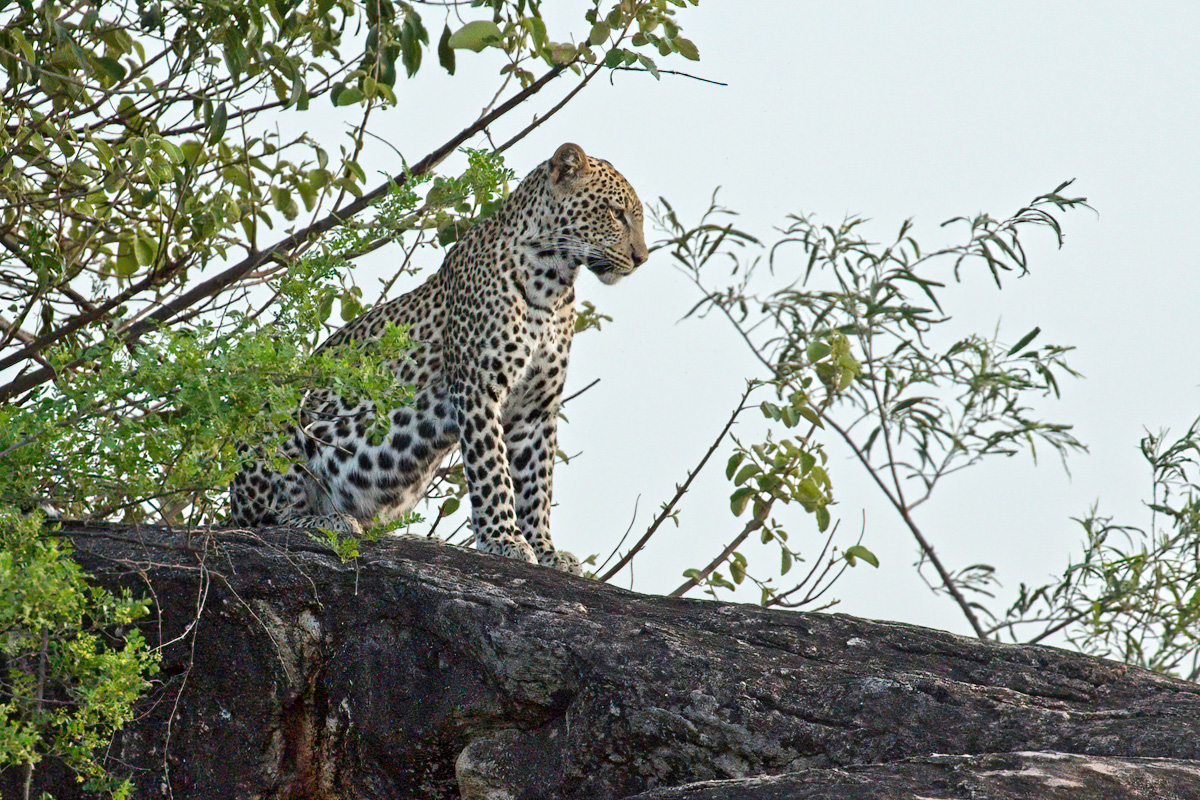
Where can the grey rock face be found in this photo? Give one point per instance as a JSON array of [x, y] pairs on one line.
[[421, 670]]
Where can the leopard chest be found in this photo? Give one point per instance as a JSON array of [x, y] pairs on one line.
[[539, 351]]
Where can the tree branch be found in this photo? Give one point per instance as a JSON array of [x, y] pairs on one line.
[[167, 312], [751, 526], [680, 491], [926, 548]]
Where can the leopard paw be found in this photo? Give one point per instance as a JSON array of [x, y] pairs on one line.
[[562, 560], [516, 548]]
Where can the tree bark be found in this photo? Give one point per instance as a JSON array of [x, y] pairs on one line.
[[421, 670]]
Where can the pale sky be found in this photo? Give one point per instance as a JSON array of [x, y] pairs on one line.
[[887, 110]]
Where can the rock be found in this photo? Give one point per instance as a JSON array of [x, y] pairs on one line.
[[996, 776], [421, 667]]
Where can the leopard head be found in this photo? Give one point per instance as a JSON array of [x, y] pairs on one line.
[[597, 216]]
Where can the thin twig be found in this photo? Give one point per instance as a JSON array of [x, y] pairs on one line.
[[671, 72], [680, 490], [566, 400], [751, 526], [926, 548], [617, 549]]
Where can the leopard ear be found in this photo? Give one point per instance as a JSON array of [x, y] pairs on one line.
[[568, 164]]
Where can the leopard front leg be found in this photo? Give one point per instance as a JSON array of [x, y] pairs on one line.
[[485, 464], [532, 442]]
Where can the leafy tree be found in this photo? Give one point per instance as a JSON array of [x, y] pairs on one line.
[[849, 349], [854, 351], [171, 248], [169, 258]]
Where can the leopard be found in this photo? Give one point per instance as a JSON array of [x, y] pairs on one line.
[[490, 335]]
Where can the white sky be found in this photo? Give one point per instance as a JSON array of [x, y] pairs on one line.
[[888, 110]]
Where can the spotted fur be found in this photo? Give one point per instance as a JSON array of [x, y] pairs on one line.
[[493, 332]]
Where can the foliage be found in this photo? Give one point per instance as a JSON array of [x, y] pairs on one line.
[[1133, 593], [71, 664], [853, 343], [173, 241], [140, 145], [856, 346]]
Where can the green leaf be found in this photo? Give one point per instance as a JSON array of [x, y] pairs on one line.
[[173, 152], [112, 68], [1026, 339], [449, 507], [686, 48], [821, 476], [786, 566], [308, 195], [145, 250], [739, 499], [237, 176], [770, 410], [650, 66], [907, 403], [445, 51], [734, 461], [386, 93], [282, 200], [737, 571], [351, 307], [325, 306], [476, 35], [126, 263], [822, 518], [348, 96], [411, 37], [858, 551], [355, 169], [717, 579], [217, 125], [809, 414], [818, 350], [761, 509], [747, 472], [600, 33], [538, 28], [563, 53]]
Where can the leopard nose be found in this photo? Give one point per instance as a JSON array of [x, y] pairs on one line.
[[638, 255]]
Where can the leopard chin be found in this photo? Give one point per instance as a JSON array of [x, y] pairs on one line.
[[610, 275], [605, 270]]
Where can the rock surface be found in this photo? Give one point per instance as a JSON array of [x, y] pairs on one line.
[[997, 776], [421, 668]]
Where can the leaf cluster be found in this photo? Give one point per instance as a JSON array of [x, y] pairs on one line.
[[71, 662], [144, 145], [857, 329], [1133, 592]]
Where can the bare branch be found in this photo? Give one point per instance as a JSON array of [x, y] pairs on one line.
[[680, 491]]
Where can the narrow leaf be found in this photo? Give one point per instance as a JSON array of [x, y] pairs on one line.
[[445, 51], [1026, 339]]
